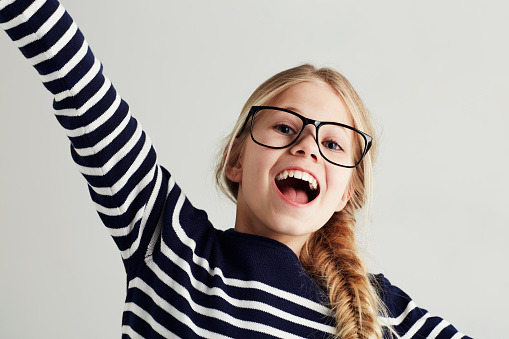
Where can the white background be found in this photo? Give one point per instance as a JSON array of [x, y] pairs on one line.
[[434, 75]]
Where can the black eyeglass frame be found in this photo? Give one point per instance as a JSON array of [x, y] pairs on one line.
[[368, 140]]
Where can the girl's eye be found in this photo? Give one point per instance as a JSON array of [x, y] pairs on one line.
[[332, 145], [284, 129]]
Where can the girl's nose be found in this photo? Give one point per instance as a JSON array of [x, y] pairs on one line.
[[306, 144]]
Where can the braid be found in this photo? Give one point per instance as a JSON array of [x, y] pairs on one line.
[[330, 257]]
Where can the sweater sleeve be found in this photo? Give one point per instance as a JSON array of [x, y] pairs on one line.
[[408, 319], [108, 145]]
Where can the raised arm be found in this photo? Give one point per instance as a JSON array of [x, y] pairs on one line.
[[108, 145]]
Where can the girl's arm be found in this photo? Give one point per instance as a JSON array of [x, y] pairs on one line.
[[107, 143]]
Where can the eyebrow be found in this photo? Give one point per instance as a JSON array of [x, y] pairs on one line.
[[291, 108]]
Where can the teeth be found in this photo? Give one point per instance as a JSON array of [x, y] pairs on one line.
[[313, 184]]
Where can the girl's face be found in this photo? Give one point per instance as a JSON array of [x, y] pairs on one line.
[[268, 207]]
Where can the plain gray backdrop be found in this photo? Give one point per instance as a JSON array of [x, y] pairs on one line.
[[434, 75]]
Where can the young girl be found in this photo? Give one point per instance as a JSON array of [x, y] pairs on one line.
[[298, 164]]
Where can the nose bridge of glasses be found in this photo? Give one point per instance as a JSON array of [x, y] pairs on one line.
[[312, 126]]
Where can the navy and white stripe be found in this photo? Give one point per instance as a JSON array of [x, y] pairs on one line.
[[185, 279]]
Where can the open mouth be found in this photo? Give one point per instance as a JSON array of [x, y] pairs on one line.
[[297, 186]]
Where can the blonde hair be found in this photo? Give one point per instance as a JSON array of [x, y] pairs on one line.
[[330, 255]]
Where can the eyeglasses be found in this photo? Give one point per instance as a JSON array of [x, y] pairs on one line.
[[277, 128]]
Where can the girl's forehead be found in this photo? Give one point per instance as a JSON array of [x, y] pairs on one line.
[[314, 100]]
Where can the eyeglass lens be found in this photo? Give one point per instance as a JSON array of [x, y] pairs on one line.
[[276, 128]]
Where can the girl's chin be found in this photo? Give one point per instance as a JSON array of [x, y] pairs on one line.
[[285, 228]]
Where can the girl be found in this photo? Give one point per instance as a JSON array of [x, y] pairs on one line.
[[298, 164]]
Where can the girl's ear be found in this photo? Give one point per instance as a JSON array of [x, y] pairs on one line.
[[234, 171], [349, 191], [234, 167]]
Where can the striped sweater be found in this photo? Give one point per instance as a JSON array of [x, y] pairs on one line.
[[184, 277]]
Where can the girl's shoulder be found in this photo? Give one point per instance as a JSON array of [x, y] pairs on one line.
[[395, 300]]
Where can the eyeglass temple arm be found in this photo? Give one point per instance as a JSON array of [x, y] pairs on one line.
[[245, 122]]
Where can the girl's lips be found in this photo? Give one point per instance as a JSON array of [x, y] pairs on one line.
[[297, 186]]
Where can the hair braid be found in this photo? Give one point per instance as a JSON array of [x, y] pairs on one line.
[[330, 256]]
